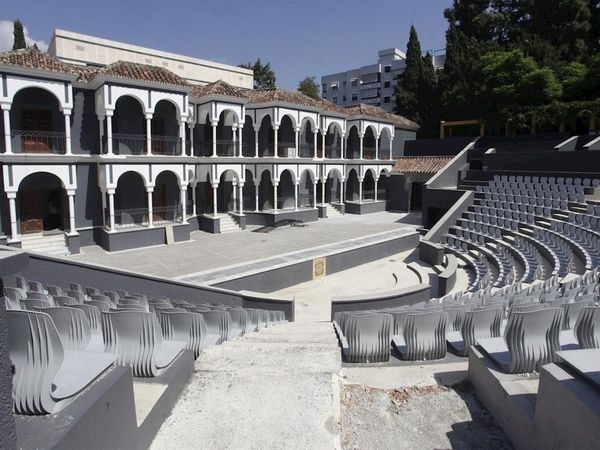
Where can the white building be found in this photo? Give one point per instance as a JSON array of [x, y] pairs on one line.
[[372, 84]]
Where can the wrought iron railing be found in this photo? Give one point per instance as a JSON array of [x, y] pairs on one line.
[[306, 201], [306, 150], [384, 153], [370, 194], [165, 145], [39, 141], [129, 144], [166, 214], [333, 151], [138, 217], [286, 149], [368, 152]]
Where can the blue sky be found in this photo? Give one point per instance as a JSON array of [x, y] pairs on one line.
[[298, 37]]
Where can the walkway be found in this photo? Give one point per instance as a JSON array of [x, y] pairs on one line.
[[268, 390]]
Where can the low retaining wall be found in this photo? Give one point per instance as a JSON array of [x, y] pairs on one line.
[[290, 274], [365, 207], [141, 237], [447, 277], [60, 271], [389, 299], [266, 219]]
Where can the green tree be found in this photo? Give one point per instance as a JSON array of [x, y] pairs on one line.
[[309, 86], [19, 35], [264, 76], [407, 89]]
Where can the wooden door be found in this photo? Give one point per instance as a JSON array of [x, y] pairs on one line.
[[36, 125], [30, 204]]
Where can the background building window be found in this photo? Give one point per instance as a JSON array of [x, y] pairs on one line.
[[386, 99], [334, 99], [387, 69], [354, 97], [386, 84], [354, 82], [324, 88], [344, 98]]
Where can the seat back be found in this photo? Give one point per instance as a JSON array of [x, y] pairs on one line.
[[64, 301], [72, 325], [188, 327], [77, 295], [135, 337], [480, 323], [217, 322], [102, 306], [93, 315], [54, 291], [31, 304], [425, 336], [572, 311], [13, 297], [36, 354], [240, 318], [587, 327], [369, 337], [533, 338]]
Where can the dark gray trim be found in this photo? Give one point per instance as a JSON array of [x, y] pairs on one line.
[[365, 208]]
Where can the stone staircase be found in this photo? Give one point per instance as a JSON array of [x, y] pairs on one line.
[[332, 211], [228, 224], [53, 244]]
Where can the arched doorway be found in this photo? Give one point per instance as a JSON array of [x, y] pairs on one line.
[[227, 192], [227, 134], [265, 192], [368, 193], [129, 127], [385, 145], [286, 138], [353, 144], [250, 193], [42, 204], [165, 129], [306, 191], [306, 147], [249, 138], [286, 194], [166, 199], [352, 187], [131, 201], [266, 138], [333, 186], [333, 142], [369, 144]]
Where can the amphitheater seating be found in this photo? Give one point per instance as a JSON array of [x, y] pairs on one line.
[[54, 330]]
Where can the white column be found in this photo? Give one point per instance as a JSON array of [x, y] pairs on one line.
[[323, 184], [377, 147], [275, 184], [323, 144], [7, 139], [342, 192], [101, 132], [215, 187], [214, 139], [234, 189], [376, 180], [182, 136], [234, 139], [12, 207], [109, 137], [184, 203], [256, 192], [343, 147], [71, 195], [67, 115], [148, 134], [111, 209], [149, 191], [103, 208], [241, 197], [240, 138], [314, 194], [192, 128], [316, 139], [360, 140], [255, 143], [276, 138], [296, 196], [296, 135], [360, 190], [194, 203]]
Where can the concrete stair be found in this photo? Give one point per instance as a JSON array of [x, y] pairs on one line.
[[228, 224], [332, 211], [50, 244]]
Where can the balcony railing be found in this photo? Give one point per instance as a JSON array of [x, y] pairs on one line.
[[333, 152], [167, 214], [138, 217], [306, 150], [370, 195], [39, 141], [225, 148], [286, 149], [368, 152], [166, 145], [137, 144], [384, 153]]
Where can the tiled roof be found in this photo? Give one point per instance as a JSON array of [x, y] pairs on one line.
[[143, 72], [33, 58], [375, 111], [281, 95], [420, 164], [219, 87]]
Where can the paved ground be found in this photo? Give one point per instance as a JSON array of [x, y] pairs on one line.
[[210, 251], [269, 390]]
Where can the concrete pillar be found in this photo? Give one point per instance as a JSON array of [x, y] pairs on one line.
[[215, 187], [323, 185], [342, 147], [67, 115], [241, 136], [360, 190], [234, 139], [360, 140], [316, 139], [182, 136], [314, 194], [194, 203], [149, 191], [148, 134], [342, 191], [276, 137], [12, 211], [256, 143], [101, 133], [376, 180], [256, 193], [296, 135], [275, 184], [323, 144], [71, 195], [111, 209], [103, 208], [184, 203], [109, 136], [192, 128], [7, 139], [241, 197], [377, 147], [296, 196], [234, 189], [214, 140]]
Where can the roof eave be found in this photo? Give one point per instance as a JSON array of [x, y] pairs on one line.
[[99, 80], [199, 100], [30, 71]]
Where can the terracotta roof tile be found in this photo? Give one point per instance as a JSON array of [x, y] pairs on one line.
[[33, 58], [219, 87], [375, 111], [281, 95], [420, 164], [142, 72]]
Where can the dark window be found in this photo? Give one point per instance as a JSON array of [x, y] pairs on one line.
[[386, 84], [324, 88], [334, 99], [354, 97], [387, 69], [344, 98], [386, 99]]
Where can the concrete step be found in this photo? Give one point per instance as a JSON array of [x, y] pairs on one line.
[[50, 244], [228, 224]]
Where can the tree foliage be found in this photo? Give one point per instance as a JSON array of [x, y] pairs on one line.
[[264, 76], [309, 86], [19, 35]]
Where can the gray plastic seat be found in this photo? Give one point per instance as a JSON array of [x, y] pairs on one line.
[[572, 311], [102, 306], [136, 338], [476, 324], [239, 322], [77, 295], [31, 304], [184, 326], [531, 339], [55, 291], [46, 376], [13, 297], [587, 327], [368, 336], [424, 337], [74, 329], [217, 326], [94, 318]]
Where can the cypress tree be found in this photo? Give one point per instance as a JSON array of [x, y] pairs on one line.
[[19, 35], [407, 89]]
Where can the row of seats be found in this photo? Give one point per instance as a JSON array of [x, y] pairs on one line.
[[61, 340]]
